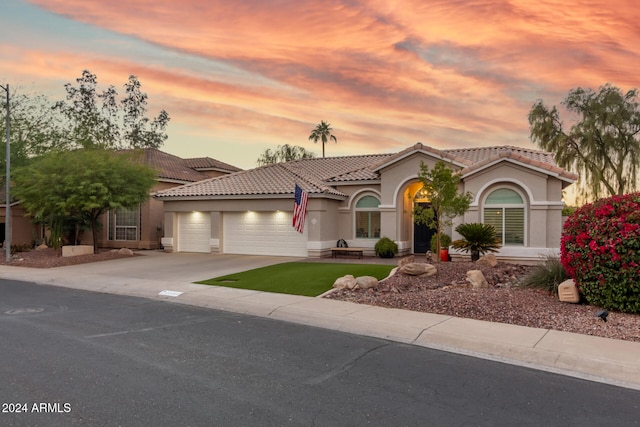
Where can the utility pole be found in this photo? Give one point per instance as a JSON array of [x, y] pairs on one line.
[[7, 222]]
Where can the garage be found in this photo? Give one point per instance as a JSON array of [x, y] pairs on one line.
[[194, 232], [262, 233]]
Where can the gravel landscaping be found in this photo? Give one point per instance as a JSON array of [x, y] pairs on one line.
[[448, 293]]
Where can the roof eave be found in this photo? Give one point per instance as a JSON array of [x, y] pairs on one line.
[[358, 182], [566, 176], [249, 196], [176, 181]]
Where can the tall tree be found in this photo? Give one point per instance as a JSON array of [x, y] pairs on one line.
[[97, 119], [139, 131], [82, 184], [602, 145], [91, 116], [322, 132], [35, 128], [284, 153], [441, 186]]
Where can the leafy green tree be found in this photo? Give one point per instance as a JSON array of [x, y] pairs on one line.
[[322, 133], [445, 202], [90, 115], [35, 128], [284, 153], [602, 145], [98, 119], [82, 184]]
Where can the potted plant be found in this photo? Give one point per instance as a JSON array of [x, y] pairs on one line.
[[477, 239], [386, 248], [445, 242]]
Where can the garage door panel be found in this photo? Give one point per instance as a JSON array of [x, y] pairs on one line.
[[194, 232], [262, 233]]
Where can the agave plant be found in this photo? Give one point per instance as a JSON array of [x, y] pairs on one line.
[[477, 239]]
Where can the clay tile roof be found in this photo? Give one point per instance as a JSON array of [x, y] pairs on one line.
[[477, 154], [313, 175], [419, 147], [170, 166], [175, 168], [483, 156], [317, 175], [207, 163], [276, 179], [332, 168]]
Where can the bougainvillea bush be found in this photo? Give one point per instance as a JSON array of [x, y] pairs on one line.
[[600, 250]]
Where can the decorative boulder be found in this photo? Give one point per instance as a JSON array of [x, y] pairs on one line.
[[366, 282], [41, 247], [418, 269], [568, 292], [345, 282], [477, 280], [489, 259], [125, 251], [406, 260]]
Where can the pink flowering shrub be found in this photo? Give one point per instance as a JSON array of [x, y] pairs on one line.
[[600, 250]]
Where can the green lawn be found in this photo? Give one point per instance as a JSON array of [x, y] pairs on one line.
[[297, 278]]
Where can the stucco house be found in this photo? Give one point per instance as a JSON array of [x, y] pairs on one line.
[[24, 230], [142, 226], [362, 198], [137, 228]]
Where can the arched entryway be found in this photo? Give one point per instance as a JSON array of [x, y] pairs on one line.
[[420, 234]]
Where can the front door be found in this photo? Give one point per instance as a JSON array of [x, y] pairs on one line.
[[422, 235]]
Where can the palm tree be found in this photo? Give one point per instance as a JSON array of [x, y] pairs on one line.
[[322, 132], [477, 239]]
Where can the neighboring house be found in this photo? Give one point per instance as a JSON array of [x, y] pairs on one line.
[[138, 228], [25, 232], [362, 198], [142, 227]]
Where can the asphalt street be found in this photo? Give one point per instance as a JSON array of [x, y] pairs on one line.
[[71, 357]]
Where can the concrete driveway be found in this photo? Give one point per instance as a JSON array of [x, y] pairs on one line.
[[176, 267]]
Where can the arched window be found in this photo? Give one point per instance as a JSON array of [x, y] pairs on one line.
[[368, 218], [504, 209]]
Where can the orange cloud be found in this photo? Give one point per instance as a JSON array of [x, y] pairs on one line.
[[386, 74]]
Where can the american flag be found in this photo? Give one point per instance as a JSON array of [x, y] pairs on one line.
[[300, 209]]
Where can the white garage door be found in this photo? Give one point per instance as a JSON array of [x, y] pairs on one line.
[[262, 233], [194, 232]]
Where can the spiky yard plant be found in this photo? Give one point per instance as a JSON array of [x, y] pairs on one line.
[[546, 275], [478, 239]]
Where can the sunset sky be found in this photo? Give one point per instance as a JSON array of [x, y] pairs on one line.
[[238, 77]]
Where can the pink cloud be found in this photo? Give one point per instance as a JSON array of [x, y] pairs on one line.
[[452, 70]]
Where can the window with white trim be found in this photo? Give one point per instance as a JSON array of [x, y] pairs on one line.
[[504, 209], [367, 218], [124, 224]]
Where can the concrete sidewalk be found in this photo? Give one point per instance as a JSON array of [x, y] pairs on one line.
[[169, 277]]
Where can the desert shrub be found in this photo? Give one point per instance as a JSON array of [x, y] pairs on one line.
[[546, 275], [600, 250], [445, 241], [477, 239], [386, 248]]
